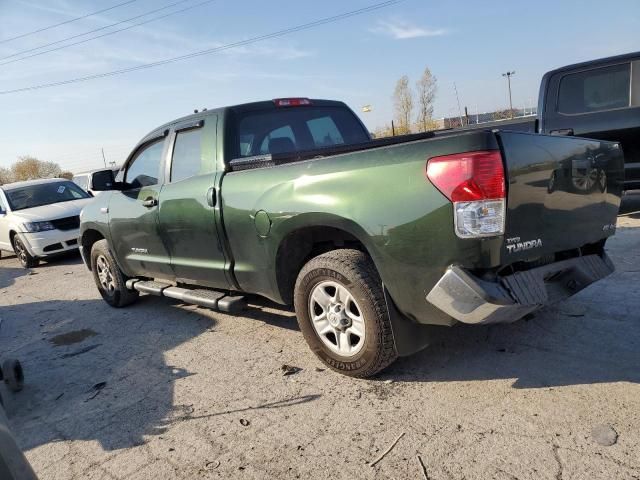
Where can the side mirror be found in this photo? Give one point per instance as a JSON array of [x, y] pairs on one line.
[[103, 181]]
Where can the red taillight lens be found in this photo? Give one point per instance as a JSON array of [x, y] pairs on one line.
[[470, 176], [291, 102]]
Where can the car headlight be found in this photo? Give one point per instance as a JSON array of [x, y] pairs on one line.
[[33, 227]]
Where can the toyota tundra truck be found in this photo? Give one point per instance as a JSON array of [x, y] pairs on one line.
[[369, 240]]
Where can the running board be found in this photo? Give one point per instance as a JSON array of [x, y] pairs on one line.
[[212, 299]]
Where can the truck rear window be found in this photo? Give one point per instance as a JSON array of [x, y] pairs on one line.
[[286, 130]]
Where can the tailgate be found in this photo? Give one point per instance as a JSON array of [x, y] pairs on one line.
[[562, 193]]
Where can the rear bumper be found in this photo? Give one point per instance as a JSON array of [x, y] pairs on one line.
[[471, 300]]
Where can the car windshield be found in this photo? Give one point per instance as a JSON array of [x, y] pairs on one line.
[[40, 194]]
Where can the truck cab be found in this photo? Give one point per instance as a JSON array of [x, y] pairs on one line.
[[597, 99]]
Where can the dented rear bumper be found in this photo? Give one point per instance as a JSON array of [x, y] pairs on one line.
[[472, 300]]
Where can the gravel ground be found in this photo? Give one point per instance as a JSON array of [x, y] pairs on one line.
[[165, 390]]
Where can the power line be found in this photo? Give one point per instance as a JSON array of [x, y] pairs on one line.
[[98, 30], [279, 33], [65, 22]]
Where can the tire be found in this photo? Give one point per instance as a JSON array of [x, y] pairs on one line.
[[25, 258], [110, 280], [342, 291], [13, 375]]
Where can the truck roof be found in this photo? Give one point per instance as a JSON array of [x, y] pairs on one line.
[[243, 107], [595, 63]]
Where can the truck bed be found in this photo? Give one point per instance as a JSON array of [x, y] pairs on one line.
[[379, 193]]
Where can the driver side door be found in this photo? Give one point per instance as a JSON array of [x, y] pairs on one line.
[[133, 214]]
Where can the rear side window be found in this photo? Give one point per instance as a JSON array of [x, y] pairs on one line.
[[143, 171], [292, 129], [595, 90], [187, 155]]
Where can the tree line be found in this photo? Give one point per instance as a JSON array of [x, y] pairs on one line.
[[30, 168]]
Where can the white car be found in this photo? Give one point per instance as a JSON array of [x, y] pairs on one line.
[[85, 179], [40, 218]]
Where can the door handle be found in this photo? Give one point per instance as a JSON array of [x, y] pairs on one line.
[[211, 197], [150, 202], [562, 131]]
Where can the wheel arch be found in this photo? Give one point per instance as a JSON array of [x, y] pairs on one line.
[[304, 240], [88, 238]]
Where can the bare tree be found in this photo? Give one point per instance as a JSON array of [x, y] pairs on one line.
[[427, 86], [403, 104], [5, 176], [29, 168]]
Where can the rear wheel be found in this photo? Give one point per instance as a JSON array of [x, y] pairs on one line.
[[26, 259], [110, 280], [342, 313]]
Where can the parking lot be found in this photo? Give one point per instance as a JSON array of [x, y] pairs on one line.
[[166, 390]]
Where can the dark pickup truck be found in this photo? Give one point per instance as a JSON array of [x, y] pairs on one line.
[[370, 240], [597, 99]]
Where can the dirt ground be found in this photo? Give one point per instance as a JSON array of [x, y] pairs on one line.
[[163, 390]]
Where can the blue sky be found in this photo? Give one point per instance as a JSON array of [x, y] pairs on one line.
[[357, 60]]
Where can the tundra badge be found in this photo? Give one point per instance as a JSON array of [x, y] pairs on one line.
[[514, 244]]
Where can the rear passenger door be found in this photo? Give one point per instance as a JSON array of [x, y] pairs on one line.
[[189, 205]]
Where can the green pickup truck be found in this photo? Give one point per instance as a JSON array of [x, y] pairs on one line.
[[370, 240]]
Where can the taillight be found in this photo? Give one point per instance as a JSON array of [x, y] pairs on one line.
[[475, 184], [291, 102]]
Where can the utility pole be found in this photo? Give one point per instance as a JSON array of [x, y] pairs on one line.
[[458, 100], [509, 75], [103, 158]]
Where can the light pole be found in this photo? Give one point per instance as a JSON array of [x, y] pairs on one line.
[[509, 75]]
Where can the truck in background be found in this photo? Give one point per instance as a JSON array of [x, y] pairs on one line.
[[597, 99]]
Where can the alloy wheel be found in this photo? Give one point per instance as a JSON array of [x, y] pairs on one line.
[[105, 275], [21, 252], [337, 318]]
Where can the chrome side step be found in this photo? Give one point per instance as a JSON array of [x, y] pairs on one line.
[[212, 299]]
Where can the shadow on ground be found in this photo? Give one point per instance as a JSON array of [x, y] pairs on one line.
[[9, 275], [100, 375], [551, 349]]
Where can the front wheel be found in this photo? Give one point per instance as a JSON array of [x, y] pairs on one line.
[[26, 259], [342, 313], [110, 280]]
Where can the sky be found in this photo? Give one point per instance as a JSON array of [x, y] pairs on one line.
[[357, 60]]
